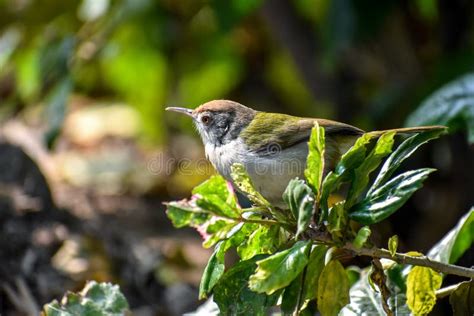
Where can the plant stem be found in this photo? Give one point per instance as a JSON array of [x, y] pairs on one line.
[[423, 261], [446, 291], [259, 221], [375, 252]]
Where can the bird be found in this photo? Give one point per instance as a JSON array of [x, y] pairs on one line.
[[273, 147]]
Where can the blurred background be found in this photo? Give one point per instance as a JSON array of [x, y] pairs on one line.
[[88, 155]]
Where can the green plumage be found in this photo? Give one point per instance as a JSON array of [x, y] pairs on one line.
[[267, 129]]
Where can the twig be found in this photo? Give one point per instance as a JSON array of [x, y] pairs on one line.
[[375, 252], [423, 261], [446, 291]]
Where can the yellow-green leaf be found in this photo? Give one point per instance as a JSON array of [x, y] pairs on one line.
[[315, 162], [361, 238], [280, 269], [313, 271], [214, 195], [422, 283], [244, 183], [393, 244], [333, 289]]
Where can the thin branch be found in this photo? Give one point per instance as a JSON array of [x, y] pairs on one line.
[[375, 252], [446, 291], [423, 261], [246, 220]]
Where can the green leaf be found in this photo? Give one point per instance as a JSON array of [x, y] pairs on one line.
[[462, 299], [315, 161], [337, 221], [365, 301], [99, 299], [384, 201], [300, 200], [233, 295], [405, 150], [214, 195], [362, 236], [333, 289], [343, 171], [397, 277], [183, 213], [244, 183], [263, 240], [422, 283], [451, 105], [382, 148], [393, 244], [213, 271], [291, 295], [216, 185], [313, 271], [456, 241], [220, 230], [280, 269]]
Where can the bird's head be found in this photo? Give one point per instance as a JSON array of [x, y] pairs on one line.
[[219, 121]]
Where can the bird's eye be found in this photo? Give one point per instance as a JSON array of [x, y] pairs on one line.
[[205, 119]]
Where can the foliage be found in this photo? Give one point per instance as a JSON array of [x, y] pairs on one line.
[[452, 105], [97, 299], [285, 254]]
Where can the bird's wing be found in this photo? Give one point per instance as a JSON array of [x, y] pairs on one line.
[[270, 132]]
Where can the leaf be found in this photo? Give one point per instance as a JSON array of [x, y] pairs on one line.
[[365, 301], [300, 200], [183, 213], [99, 299], [220, 230], [382, 148], [244, 183], [343, 171], [462, 299], [313, 271], [384, 201], [213, 271], [291, 295], [422, 283], [315, 161], [362, 236], [263, 240], [337, 221], [456, 241], [278, 270], [393, 244], [233, 295], [333, 289], [214, 195], [403, 151], [451, 105]]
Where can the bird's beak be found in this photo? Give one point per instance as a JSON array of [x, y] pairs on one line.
[[186, 111]]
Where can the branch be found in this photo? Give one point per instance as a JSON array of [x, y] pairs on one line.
[[375, 252], [446, 291], [423, 261]]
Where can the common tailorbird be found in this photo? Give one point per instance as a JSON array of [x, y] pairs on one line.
[[273, 147]]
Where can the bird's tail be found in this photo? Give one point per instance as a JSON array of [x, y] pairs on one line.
[[411, 130]]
